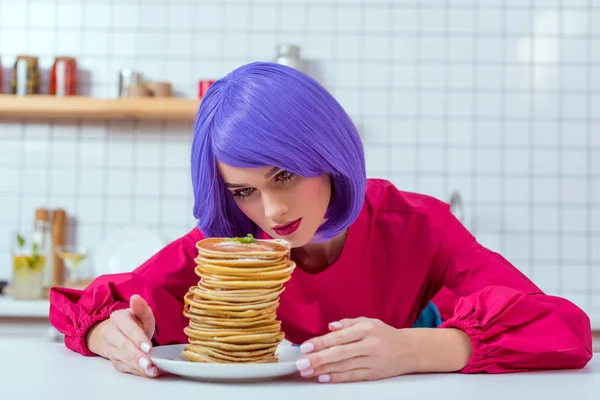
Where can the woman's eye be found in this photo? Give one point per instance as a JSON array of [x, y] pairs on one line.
[[242, 193], [284, 176]]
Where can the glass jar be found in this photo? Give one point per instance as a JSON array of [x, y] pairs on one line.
[[25, 76], [28, 262], [63, 77], [289, 55]]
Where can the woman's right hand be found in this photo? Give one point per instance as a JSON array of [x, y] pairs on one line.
[[124, 338]]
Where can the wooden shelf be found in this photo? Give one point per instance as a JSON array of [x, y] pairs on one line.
[[41, 107]]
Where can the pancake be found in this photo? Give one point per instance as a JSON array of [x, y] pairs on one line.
[[234, 338], [236, 248], [232, 311], [216, 330], [240, 323], [216, 283], [203, 304], [200, 354], [237, 346], [276, 271], [245, 263]]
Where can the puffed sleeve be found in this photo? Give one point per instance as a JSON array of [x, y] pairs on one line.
[[162, 281], [513, 325]]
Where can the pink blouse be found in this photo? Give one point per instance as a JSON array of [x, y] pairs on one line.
[[403, 251]]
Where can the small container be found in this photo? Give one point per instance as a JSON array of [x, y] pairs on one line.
[[1, 73], [63, 77], [457, 207], [127, 79], [203, 87], [25, 76], [138, 90], [289, 55], [28, 262], [160, 89]]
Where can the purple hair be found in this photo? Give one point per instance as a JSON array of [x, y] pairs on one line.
[[266, 114]]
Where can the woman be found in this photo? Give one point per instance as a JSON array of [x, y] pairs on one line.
[[275, 155]]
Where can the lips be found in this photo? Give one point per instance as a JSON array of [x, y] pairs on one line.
[[288, 228]]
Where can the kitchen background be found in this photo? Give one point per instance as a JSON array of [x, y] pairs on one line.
[[496, 99]]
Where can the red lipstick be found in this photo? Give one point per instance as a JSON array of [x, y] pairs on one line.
[[288, 228]]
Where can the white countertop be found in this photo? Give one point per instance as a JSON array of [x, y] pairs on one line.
[[23, 308], [46, 371]]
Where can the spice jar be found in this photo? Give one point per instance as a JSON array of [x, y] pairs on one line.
[[63, 77], [25, 76]]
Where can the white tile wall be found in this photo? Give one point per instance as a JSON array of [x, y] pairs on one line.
[[498, 99]]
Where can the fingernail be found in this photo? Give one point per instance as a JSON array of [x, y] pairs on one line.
[[302, 364], [307, 347], [324, 378], [336, 324], [306, 372], [144, 363], [145, 347], [150, 371]]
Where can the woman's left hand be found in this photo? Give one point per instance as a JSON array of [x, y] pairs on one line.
[[357, 350]]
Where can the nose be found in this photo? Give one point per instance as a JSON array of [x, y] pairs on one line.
[[274, 206]]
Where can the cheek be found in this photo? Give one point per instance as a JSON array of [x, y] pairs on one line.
[[251, 209], [315, 193]]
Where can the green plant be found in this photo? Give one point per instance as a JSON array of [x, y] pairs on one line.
[[247, 239], [35, 257], [20, 241]]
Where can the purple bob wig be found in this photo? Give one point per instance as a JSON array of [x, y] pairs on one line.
[[265, 114]]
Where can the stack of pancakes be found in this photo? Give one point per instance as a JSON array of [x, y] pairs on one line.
[[232, 310]]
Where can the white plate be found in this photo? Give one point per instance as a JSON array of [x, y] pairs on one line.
[[168, 358], [125, 249]]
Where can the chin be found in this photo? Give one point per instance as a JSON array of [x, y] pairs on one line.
[[297, 239], [297, 243]]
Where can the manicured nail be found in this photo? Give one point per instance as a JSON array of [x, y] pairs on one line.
[[150, 371], [302, 364], [306, 372], [307, 347], [324, 378], [336, 324], [145, 347], [144, 363]]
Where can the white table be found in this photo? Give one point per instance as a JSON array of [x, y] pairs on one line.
[[26, 319], [49, 370], [23, 308]]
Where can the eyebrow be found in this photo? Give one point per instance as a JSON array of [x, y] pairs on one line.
[[269, 174]]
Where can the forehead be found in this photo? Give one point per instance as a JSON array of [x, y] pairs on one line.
[[231, 174]]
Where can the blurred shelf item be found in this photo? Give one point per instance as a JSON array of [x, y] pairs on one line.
[[41, 107]]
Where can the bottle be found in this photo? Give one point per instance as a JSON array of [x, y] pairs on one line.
[[30, 257], [42, 236], [59, 226], [289, 55]]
